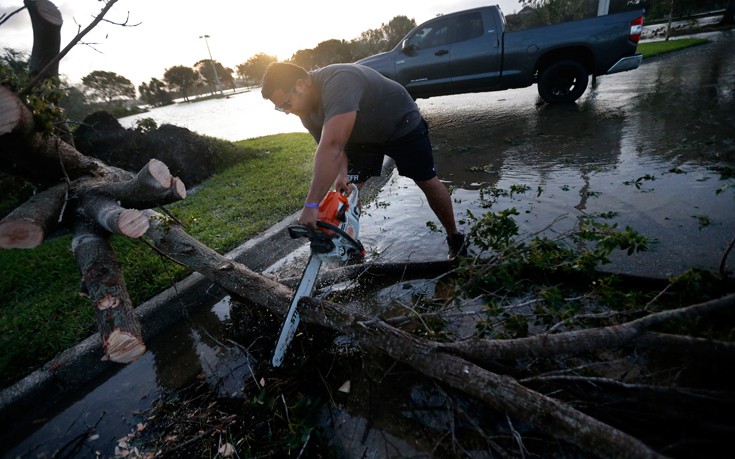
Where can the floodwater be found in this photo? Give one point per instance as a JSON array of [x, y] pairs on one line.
[[645, 144]]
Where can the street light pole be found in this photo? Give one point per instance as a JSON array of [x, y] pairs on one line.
[[211, 61]]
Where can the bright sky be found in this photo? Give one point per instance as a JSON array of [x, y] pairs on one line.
[[169, 30]]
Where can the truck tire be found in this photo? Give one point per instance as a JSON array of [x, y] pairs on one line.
[[563, 82]]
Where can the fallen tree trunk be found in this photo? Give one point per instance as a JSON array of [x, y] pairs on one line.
[[390, 270], [503, 393]]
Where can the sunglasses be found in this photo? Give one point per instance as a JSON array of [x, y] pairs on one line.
[[286, 104]]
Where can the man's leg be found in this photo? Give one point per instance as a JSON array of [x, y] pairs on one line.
[[440, 202]]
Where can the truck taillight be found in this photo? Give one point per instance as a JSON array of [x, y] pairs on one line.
[[636, 29]]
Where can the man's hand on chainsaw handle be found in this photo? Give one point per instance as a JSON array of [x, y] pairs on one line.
[[309, 217]]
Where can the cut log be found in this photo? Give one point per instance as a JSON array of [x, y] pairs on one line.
[[123, 347], [105, 210], [699, 348], [153, 186], [118, 326], [14, 116], [27, 226]]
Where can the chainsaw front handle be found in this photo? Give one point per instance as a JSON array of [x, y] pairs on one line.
[[328, 226]]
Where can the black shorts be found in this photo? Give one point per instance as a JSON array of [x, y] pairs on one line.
[[412, 154]]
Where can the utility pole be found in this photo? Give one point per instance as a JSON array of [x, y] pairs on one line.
[[211, 61]]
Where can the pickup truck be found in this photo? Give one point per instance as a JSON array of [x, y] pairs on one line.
[[472, 51]]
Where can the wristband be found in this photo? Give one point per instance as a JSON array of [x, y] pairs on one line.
[[311, 205]]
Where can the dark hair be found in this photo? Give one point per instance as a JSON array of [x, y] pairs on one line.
[[281, 75]]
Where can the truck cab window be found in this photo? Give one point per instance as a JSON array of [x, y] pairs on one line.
[[436, 33], [469, 26]]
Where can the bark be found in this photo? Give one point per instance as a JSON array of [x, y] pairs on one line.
[[687, 345], [153, 186], [104, 210], [104, 283], [47, 71], [29, 224]]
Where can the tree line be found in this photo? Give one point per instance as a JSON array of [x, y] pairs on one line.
[[210, 75], [213, 75], [108, 90]]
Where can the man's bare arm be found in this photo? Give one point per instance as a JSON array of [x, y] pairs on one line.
[[330, 162]]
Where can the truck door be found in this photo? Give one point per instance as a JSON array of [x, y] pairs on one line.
[[423, 64], [475, 53]]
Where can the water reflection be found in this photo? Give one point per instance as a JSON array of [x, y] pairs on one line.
[[238, 116]]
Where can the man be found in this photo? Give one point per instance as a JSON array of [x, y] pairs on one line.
[[356, 116]]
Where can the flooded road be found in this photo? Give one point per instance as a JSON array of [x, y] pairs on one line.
[[646, 145]]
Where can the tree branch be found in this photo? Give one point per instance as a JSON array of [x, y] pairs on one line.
[[4, 18], [104, 209], [577, 341]]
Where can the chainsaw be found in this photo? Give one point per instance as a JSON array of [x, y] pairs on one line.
[[336, 238]]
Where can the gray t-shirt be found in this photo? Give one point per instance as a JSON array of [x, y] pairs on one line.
[[385, 110]]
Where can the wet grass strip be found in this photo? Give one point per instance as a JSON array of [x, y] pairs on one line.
[[657, 48]]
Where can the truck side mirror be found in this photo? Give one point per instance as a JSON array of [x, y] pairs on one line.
[[407, 48]]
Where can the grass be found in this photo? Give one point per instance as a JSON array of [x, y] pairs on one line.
[[657, 48], [41, 311]]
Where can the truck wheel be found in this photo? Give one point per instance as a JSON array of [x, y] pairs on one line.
[[563, 81]]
